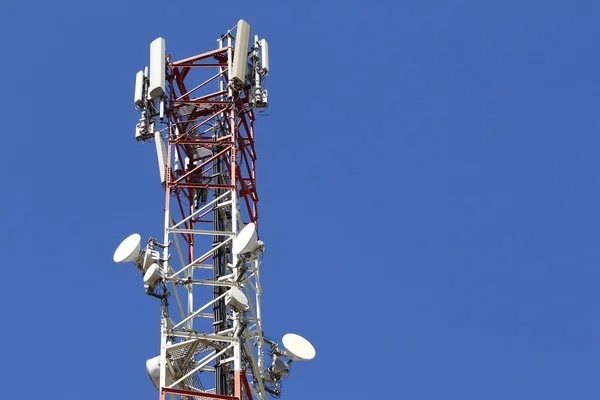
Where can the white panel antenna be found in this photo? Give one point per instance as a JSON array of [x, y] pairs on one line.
[[264, 56], [138, 100], [161, 156], [157, 69], [240, 56]]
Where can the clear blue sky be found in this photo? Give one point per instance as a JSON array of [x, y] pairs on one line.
[[428, 180]]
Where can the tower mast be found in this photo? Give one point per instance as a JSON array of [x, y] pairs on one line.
[[200, 111], [213, 133]]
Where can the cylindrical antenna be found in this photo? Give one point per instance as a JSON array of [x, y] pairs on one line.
[[138, 99], [177, 166]]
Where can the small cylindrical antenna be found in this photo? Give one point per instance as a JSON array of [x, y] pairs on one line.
[[177, 167], [162, 108], [138, 99], [229, 66], [264, 56]]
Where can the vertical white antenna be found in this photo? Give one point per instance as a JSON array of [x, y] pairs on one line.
[[264, 56], [138, 98], [177, 166], [240, 57], [157, 69]]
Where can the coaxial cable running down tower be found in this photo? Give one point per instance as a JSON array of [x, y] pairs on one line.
[[205, 273]]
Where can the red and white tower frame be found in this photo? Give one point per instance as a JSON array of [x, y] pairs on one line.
[[203, 123], [200, 111]]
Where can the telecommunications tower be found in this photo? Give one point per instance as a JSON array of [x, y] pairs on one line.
[[205, 271]]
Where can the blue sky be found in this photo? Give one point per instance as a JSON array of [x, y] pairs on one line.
[[427, 180]]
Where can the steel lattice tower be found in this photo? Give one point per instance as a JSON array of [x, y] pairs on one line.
[[201, 112], [211, 133]]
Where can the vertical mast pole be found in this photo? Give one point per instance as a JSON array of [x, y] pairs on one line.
[[220, 257], [163, 302]]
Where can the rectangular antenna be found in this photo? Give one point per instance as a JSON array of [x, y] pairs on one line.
[[240, 56], [157, 69], [264, 56]]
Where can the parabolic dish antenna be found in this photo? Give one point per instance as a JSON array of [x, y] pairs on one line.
[[129, 249], [297, 347], [153, 368], [236, 299], [246, 240], [153, 274]]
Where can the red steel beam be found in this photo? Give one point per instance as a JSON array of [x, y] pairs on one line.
[[199, 57], [193, 393]]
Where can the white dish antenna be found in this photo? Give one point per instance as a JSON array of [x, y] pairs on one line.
[[246, 241], [236, 299], [297, 347], [153, 368], [153, 275], [129, 249]]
